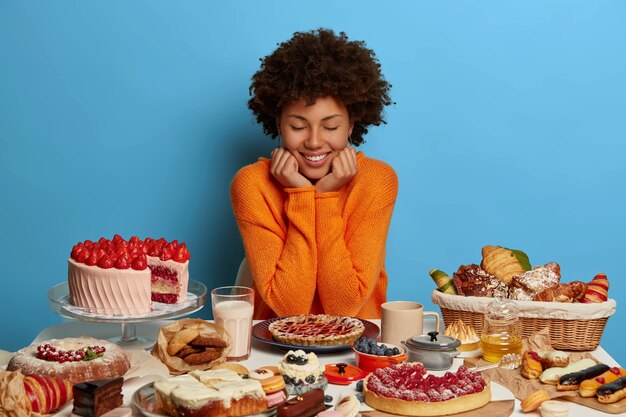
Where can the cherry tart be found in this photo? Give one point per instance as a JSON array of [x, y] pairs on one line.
[[407, 389], [316, 330]]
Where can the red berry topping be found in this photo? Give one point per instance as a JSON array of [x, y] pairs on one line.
[[139, 263], [616, 371], [166, 255], [117, 239], [76, 250], [93, 259], [534, 355], [123, 262], [600, 380], [106, 262]]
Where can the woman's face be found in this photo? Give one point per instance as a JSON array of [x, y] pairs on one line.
[[315, 134]]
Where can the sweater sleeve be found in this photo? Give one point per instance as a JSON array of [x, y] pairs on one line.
[[351, 254], [280, 246]]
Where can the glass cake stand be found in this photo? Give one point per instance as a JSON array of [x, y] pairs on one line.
[[59, 298]]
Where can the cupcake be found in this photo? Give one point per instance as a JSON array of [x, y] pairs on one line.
[[302, 372]]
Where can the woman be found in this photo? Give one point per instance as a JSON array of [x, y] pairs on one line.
[[314, 218]]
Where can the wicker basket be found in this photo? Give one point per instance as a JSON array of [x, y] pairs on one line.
[[572, 326]]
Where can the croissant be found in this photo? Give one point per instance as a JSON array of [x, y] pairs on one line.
[[562, 293], [597, 289], [504, 263]]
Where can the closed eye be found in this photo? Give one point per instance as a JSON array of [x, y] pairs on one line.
[[332, 128]]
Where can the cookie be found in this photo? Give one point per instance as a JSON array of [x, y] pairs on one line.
[[208, 341], [238, 368], [203, 357], [188, 350], [180, 340]]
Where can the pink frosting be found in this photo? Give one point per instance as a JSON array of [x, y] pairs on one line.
[[115, 292]]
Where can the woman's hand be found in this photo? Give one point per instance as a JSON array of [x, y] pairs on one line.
[[343, 169], [284, 168]]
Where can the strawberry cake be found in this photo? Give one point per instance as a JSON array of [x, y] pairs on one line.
[[119, 278], [405, 389]]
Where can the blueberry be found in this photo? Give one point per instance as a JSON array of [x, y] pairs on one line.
[[291, 358], [328, 398], [372, 342], [310, 379], [359, 386], [388, 352], [302, 360], [366, 350], [396, 351]]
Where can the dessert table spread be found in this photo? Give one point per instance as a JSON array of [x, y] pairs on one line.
[[263, 355]]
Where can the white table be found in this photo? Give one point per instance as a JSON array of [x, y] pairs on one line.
[[266, 355]]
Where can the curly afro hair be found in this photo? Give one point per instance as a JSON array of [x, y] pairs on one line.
[[317, 64]]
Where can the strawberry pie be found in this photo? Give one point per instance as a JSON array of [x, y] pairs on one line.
[[316, 330], [406, 389], [119, 278]]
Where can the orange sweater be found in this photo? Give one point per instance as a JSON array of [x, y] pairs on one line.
[[316, 253]]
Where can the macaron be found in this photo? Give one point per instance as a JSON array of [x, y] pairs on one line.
[[260, 374], [275, 398], [272, 384]]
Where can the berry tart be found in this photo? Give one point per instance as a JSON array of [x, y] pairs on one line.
[[316, 330], [73, 359], [118, 277], [302, 372], [405, 389]]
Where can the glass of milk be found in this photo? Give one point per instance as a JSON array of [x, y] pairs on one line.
[[232, 309]]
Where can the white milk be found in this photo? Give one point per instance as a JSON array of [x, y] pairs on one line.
[[236, 318]]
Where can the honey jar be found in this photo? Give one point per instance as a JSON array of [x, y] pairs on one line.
[[501, 332]]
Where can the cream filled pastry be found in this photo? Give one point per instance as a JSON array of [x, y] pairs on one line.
[[302, 372]]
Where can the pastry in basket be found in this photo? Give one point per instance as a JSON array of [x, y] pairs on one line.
[[406, 389], [74, 359], [525, 286], [531, 365], [302, 372], [563, 293], [316, 330], [589, 387], [465, 333], [190, 345], [551, 375], [597, 289], [21, 395], [504, 263], [444, 283], [471, 280]]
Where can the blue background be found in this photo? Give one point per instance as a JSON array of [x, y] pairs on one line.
[[131, 118]]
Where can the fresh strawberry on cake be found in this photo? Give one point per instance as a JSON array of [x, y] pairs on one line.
[[119, 278]]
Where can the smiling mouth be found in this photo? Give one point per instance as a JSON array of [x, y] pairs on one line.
[[315, 158]]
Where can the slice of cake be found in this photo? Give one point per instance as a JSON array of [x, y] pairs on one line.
[[95, 398], [169, 267], [199, 401], [246, 396]]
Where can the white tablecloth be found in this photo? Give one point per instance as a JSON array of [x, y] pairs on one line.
[[266, 355]]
